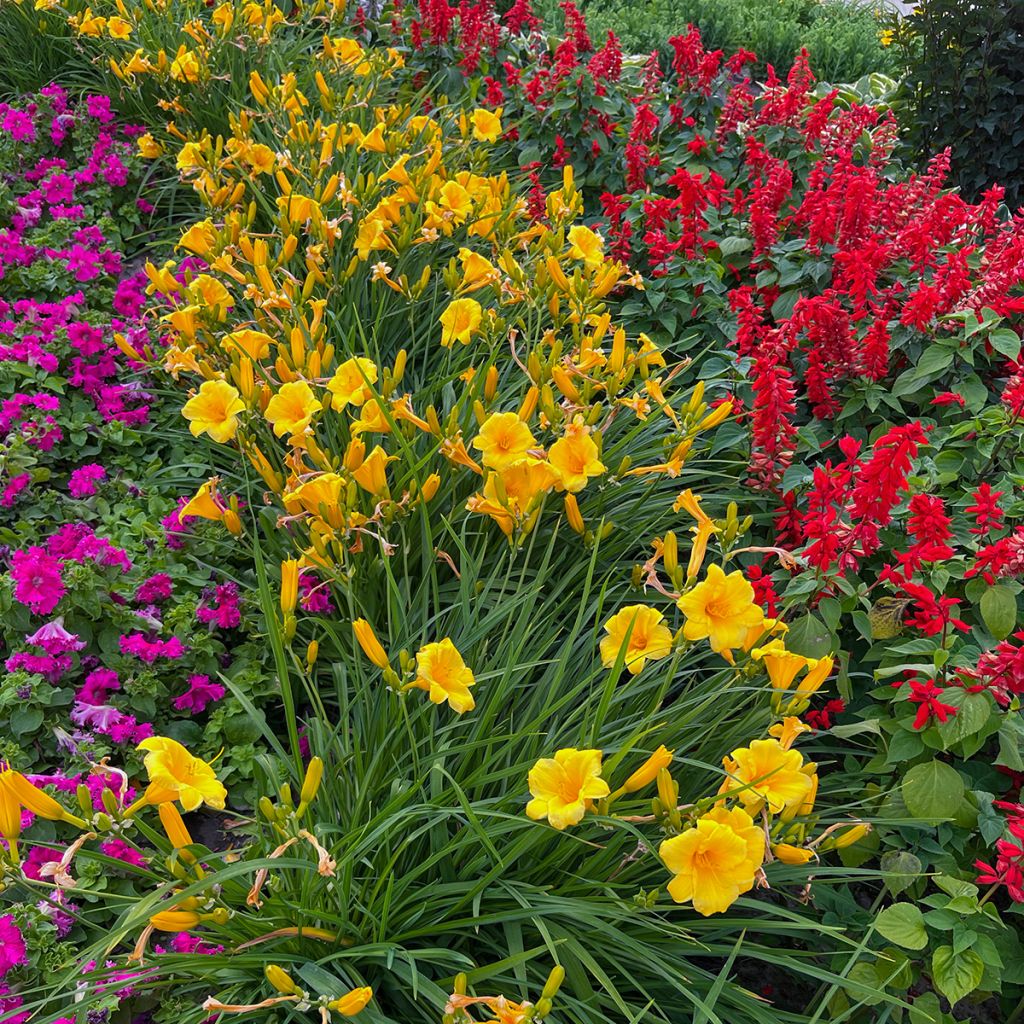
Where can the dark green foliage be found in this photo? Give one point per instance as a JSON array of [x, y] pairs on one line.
[[842, 38], [966, 83]]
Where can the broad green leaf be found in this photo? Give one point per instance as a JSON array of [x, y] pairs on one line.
[[932, 790], [999, 610], [956, 974], [903, 924]]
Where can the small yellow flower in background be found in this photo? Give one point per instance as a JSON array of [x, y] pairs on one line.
[[648, 771], [369, 643], [783, 666], [252, 344], [575, 457], [175, 774], [504, 440], [486, 124], [119, 28], [441, 671], [720, 608], [185, 66], [292, 408], [562, 786], [715, 861], [788, 731], [460, 321], [352, 1002], [586, 245], [887, 37], [650, 639], [214, 411], [352, 382], [770, 773], [148, 146]]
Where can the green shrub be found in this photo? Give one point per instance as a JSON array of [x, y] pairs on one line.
[[843, 40], [966, 86]]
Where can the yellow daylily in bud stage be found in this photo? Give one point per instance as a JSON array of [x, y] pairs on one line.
[[770, 773], [352, 382], [352, 1002], [460, 321], [148, 146], [586, 245], [33, 799], [853, 835], [648, 771], [292, 408], [575, 457], [788, 731], [289, 585], [649, 638], [174, 826], [214, 411], [281, 980], [175, 920], [789, 854], [715, 861], [175, 774], [504, 440], [562, 786], [10, 816], [369, 643], [721, 608], [311, 781], [199, 238], [441, 671], [783, 666]]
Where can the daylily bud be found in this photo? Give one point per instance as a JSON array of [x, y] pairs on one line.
[[791, 854], [430, 486], [311, 783], [174, 920], [352, 1002], [852, 836], [649, 770], [312, 650], [572, 513], [280, 979], [369, 643], [289, 585], [174, 826]]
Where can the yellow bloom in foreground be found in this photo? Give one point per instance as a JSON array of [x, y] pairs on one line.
[[586, 245], [714, 862], [486, 125], [460, 321], [504, 439], [148, 146], [175, 774], [185, 66], [292, 408], [214, 411], [650, 639], [441, 671], [720, 608], [575, 457], [771, 774], [783, 666], [253, 344], [352, 380], [563, 785], [352, 1002]]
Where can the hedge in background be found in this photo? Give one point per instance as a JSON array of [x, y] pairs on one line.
[[966, 78]]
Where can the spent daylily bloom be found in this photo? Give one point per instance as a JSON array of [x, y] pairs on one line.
[[714, 862], [214, 411], [649, 639], [441, 671], [563, 786], [720, 608], [175, 774]]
